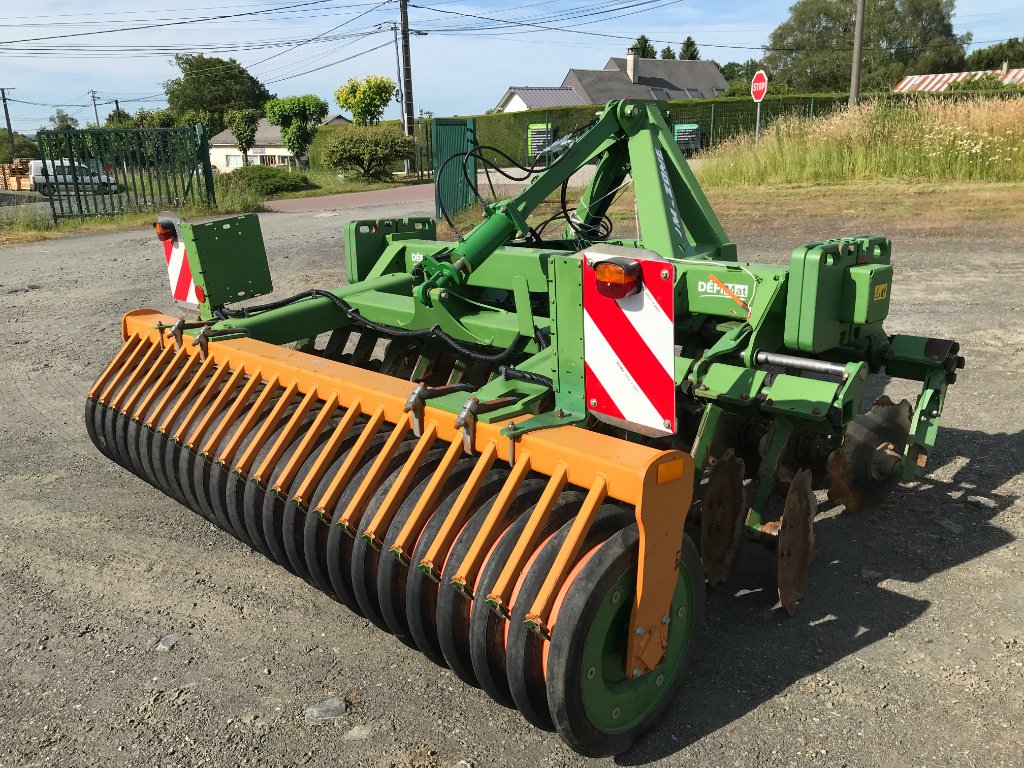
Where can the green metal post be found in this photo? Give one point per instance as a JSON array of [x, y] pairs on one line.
[[204, 156]]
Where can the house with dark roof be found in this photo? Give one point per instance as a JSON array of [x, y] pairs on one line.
[[623, 78], [522, 97], [267, 149]]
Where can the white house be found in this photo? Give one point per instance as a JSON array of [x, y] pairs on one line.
[[268, 149]]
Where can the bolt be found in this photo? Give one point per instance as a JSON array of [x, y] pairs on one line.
[[616, 596], [591, 672], [593, 402], [659, 680], [443, 295], [935, 414], [681, 611], [615, 713], [667, 423], [665, 619], [744, 395], [636, 673], [639, 631], [769, 402], [816, 411], [664, 274]]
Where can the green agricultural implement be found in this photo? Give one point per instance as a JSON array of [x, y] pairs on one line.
[[526, 456]]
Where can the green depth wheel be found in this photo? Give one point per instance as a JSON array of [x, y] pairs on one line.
[[596, 708]]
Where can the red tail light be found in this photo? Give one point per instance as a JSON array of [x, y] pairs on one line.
[[617, 278]]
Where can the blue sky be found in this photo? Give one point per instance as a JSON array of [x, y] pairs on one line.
[[461, 66]]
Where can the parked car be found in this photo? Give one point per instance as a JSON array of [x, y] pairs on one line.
[[64, 173]]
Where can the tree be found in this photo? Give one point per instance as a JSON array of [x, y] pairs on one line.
[[733, 70], [644, 48], [689, 51], [900, 37], [366, 99], [373, 150], [118, 118], [153, 118], [242, 123], [62, 121], [299, 118], [23, 147], [212, 86], [213, 122], [667, 52], [992, 57]]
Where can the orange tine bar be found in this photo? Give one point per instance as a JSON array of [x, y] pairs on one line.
[[266, 429], [202, 401], [218, 405], [126, 370], [232, 414], [266, 469], [378, 526], [498, 599], [425, 505], [306, 445], [332, 494], [165, 376], [464, 579], [187, 394], [155, 370], [179, 381], [327, 455], [540, 613], [98, 389], [354, 512], [227, 453], [433, 561], [141, 368]]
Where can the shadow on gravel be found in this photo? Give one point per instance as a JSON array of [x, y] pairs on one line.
[[751, 653]]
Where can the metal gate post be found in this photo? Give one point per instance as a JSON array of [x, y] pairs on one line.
[[204, 158]]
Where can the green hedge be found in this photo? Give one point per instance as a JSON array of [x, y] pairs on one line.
[[719, 118], [262, 181], [316, 148]]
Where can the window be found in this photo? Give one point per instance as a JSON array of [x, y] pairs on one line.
[[233, 161], [284, 160], [268, 160]]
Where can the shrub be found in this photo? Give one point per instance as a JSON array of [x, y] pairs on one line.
[[372, 150], [261, 181]]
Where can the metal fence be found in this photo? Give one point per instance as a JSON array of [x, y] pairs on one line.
[[104, 172]]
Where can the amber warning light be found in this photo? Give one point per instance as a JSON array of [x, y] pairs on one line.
[[164, 230], [617, 278]]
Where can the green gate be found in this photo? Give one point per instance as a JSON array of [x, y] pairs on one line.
[[108, 171], [454, 181]]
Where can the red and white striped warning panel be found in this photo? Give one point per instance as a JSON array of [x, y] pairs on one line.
[[629, 348], [179, 272]]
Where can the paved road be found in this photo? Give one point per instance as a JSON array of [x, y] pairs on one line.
[[417, 195]]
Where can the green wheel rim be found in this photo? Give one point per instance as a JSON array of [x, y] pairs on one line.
[[615, 703]]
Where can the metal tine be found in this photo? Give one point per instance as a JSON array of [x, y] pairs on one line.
[[218, 405], [365, 345], [336, 343], [139, 371], [226, 454], [244, 463], [539, 615], [465, 576], [327, 455], [330, 496], [154, 372], [501, 594], [100, 390], [232, 414], [302, 451], [175, 386], [374, 532], [425, 505], [165, 375], [187, 394], [396, 351], [354, 512], [211, 389], [460, 372], [266, 469], [432, 561]]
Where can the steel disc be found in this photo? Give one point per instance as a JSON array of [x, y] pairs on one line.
[[795, 547], [721, 518]]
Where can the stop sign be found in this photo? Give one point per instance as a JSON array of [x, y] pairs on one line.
[[759, 86]]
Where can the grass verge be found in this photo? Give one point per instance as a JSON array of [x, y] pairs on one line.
[[915, 141], [333, 183]]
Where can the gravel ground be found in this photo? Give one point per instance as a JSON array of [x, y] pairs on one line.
[[908, 651]]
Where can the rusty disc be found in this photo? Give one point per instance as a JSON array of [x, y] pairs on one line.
[[721, 518], [796, 541], [856, 481], [803, 450]]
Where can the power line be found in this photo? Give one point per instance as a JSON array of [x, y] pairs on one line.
[[325, 66]]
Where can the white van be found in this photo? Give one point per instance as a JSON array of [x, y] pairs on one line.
[[64, 173]]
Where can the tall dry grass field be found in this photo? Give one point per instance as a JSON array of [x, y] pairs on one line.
[[970, 140]]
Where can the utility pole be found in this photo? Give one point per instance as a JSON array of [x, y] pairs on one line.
[[95, 111], [858, 40], [117, 107], [7, 117], [407, 113]]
